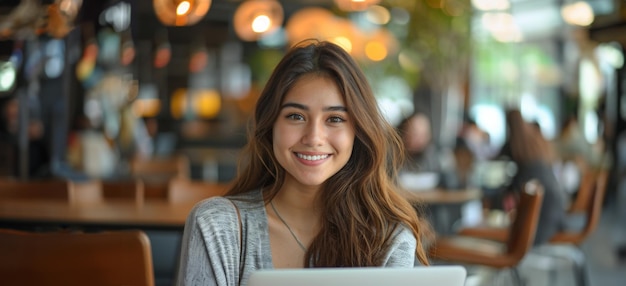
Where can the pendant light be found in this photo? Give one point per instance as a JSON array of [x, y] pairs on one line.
[[255, 18], [355, 5], [181, 12]]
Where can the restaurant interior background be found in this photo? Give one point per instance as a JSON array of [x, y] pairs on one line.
[[86, 86], [111, 80]]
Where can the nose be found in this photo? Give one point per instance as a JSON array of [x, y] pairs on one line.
[[315, 133]]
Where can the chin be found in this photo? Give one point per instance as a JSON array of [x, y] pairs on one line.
[[312, 182]]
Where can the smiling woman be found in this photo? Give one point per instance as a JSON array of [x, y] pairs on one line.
[[313, 134], [317, 186]]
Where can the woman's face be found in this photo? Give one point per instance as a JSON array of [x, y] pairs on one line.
[[417, 134], [313, 135]]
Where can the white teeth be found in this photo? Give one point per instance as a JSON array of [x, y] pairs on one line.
[[312, 158]]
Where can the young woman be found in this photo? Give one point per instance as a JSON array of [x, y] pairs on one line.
[[534, 158], [317, 182]]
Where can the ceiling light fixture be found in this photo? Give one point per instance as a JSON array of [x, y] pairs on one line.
[[181, 12], [256, 18]]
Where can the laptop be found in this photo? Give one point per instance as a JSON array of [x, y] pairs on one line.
[[441, 275]]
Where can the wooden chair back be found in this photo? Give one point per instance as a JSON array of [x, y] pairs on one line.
[[155, 190], [585, 192], [97, 191], [66, 258], [85, 191], [524, 227], [35, 189], [125, 189], [182, 190], [160, 169], [509, 253], [592, 209]]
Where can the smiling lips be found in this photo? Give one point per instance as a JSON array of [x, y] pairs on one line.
[[312, 157]]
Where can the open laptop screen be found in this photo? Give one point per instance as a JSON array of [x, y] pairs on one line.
[[448, 275]]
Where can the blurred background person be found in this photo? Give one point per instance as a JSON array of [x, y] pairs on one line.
[[534, 158], [572, 145], [425, 156], [476, 139], [472, 149], [577, 155]]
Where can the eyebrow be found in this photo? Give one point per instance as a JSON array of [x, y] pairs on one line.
[[304, 107]]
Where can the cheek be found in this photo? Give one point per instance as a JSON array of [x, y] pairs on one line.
[[412, 140], [283, 137], [344, 139]]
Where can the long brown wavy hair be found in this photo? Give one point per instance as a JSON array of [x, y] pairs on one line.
[[362, 205], [526, 142]]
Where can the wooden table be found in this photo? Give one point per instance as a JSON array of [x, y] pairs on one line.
[[443, 196], [151, 214], [444, 205]]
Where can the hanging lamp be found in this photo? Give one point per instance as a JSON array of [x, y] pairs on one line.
[[181, 12]]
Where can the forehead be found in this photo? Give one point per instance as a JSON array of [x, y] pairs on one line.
[[315, 88]]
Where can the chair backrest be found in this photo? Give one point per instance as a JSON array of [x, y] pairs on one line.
[[594, 207], [182, 190], [124, 189], [36, 189], [66, 258], [160, 169], [593, 211], [524, 226], [97, 191], [584, 195], [155, 190], [85, 191]]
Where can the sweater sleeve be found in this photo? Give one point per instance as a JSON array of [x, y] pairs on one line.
[[402, 251], [210, 246]]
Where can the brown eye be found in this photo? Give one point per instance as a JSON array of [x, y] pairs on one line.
[[336, 119], [295, 116]]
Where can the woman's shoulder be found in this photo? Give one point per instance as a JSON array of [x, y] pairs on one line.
[[251, 199], [404, 234], [221, 203], [215, 207]]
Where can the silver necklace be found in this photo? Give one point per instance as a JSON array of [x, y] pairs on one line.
[[288, 228]]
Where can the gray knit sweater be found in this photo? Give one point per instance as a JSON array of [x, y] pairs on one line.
[[210, 253]]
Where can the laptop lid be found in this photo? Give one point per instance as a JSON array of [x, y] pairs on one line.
[[442, 275]]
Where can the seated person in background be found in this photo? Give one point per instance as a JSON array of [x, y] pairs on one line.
[[317, 185], [472, 148], [475, 139], [424, 154], [572, 145], [534, 157], [574, 155], [464, 159]]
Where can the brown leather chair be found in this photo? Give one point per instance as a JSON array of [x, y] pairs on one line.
[[505, 255], [121, 257], [589, 200], [183, 190]]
